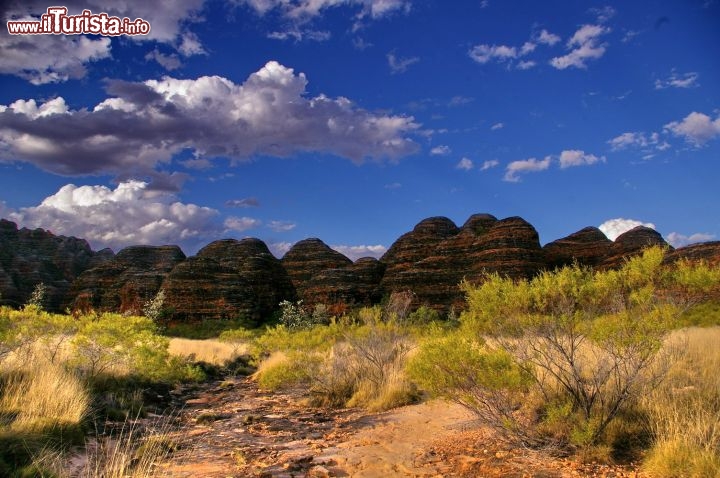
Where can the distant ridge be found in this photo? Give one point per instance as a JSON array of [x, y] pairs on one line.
[[232, 278]]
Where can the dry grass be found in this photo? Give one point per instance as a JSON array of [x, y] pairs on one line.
[[132, 454], [395, 390], [363, 370], [43, 395], [684, 411], [209, 350], [42, 410]]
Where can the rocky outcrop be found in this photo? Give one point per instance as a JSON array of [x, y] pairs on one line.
[[307, 258], [354, 285], [510, 247], [707, 251], [417, 244], [631, 243], [126, 282], [484, 244], [202, 288], [414, 257], [260, 275], [240, 278], [29, 257], [8, 290], [588, 247]]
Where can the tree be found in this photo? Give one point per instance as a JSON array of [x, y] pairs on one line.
[[590, 341]]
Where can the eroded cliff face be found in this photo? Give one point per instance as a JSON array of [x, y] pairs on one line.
[[309, 257], [127, 281], [241, 278], [706, 251], [589, 246], [633, 242], [29, 257], [352, 285], [229, 279], [450, 254]]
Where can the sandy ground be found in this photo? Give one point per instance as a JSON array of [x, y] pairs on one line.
[[396, 442], [232, 429]]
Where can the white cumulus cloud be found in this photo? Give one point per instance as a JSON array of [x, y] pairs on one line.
[[547, 38], [143, 124], [240, 224], [54, 58], [281, 226], [612, 228], [243, 203], [465, 164], [627, 140], [638, 140], [168, 19], [50, 58], [489, 164], [168, 61], [441, 150], [574, 157], [525, 166], [308, 9], [526, 65], [485, 53], [604, 13], [513, 56], [400, 65], [298, 35], [696, 128], [584, 45], [128, 215], [675, 80]]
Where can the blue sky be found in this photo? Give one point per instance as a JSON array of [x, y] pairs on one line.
[[352, 120]]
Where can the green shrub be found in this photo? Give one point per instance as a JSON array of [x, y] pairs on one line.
[[423, 315], [37, 298], [64, 366], [588, 338], [154, 309], [297, 316], [703, 314], [282, 338], [114, 343], [369, 315], [486, 381], [283, 370]]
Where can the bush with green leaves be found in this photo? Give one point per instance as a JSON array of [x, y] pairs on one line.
[[284, 339], [423, 315], [589, 340], [485, 380], [294, 316], [126, 345], [154, 309], [37, 298], [92, 344]]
